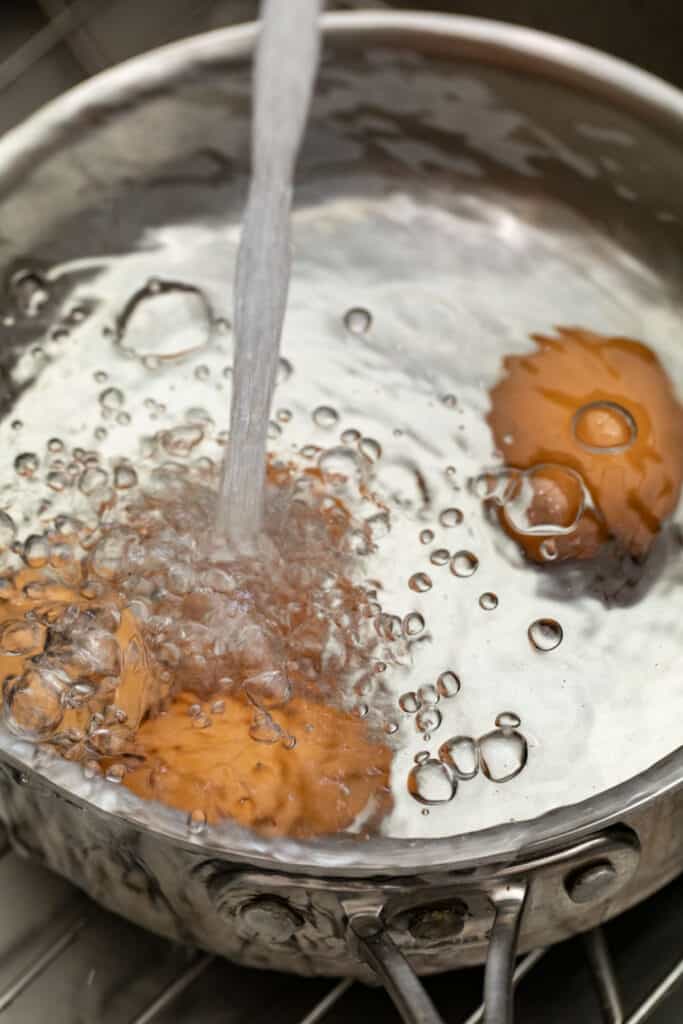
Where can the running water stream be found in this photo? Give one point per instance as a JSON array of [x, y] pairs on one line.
[[284, 72]]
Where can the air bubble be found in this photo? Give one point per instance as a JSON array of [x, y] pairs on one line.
[[464, 563], [164, 320], [413, 624], [451, 517], [36, 551], [284, 370], [508, 720], [370, 448], [26, 464], [269, 689], [379, 525], [409, 702], [111, 398], [428, 694], [432, 783], [92, 480], [488, 601], [389, 627], [440, 556], [461, 754], [448, 684], [343, 462], [604, 428], [196, 822], [350, 436], [548, 549], [180, 441], [420, 582], [426, 536], [450, 401], [357, 320], [428, 720], [125, 477], [503, 754], [545, 634], [545, 499], [202, 372], [325, 416]]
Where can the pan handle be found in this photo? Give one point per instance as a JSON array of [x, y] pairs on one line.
[[376, 947]]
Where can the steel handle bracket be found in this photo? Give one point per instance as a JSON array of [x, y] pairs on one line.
[[372, 942]]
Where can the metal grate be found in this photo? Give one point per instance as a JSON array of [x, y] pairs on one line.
[[65, 960]]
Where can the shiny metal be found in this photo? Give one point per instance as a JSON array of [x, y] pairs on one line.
[[176, 988], [79, 39], [595, 881], [396, 974], [69, 166], [41, 963], [128, 89], [327, 1002], [374, 943], [657, 996], [524, 966], [602, 970], [509, 902], [61, 25]]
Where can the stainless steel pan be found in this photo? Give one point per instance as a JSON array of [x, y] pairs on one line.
[[164, 137]]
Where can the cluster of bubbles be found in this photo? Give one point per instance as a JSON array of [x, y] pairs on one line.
[[121, 600], [423, 702], [112, 611], [500, 755]]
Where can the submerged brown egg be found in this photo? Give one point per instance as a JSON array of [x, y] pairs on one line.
[[210, 681], [35, 665], [594, 431], [306, 769]]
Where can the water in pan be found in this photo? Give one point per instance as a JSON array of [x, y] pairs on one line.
[[523, 690]]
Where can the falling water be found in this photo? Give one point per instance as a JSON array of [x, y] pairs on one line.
[[284, 72]]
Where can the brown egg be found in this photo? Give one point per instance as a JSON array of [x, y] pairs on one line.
[[35, 705], [595, 429], [245, 766]]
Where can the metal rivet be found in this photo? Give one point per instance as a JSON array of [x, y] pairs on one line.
[[592, 882], [435, 923], [269, 918]]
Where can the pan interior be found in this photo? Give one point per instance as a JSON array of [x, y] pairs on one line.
[[445, 211]]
